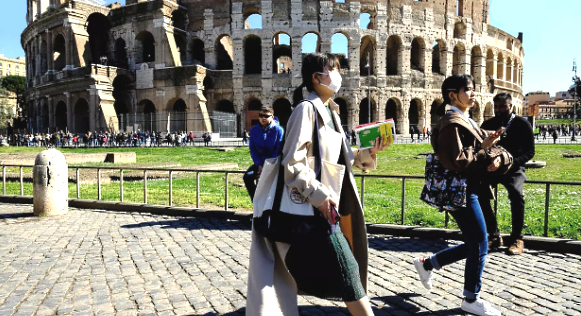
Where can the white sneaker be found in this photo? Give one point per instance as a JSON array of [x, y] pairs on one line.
[[425, 275], [480, 307]]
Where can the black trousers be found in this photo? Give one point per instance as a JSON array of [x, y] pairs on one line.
[[250, 178], [513, 182]]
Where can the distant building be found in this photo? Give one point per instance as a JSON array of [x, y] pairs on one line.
[[563, 95], [551, 109], [12, 66]]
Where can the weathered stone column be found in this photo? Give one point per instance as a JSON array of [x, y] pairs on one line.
[[51, 110], [50, 181], [49, 52]]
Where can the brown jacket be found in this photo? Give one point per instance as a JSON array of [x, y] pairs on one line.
[[458, 146]]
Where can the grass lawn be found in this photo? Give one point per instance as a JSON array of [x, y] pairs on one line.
[[382, 196]]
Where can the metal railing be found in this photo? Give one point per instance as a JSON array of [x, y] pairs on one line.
[[227, 173]]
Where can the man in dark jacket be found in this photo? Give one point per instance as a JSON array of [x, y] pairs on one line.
[[518, 140], [264, 142]]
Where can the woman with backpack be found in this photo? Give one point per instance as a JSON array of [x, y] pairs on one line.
[[462, 147]]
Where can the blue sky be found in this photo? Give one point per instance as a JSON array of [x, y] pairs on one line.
[[550, 37]]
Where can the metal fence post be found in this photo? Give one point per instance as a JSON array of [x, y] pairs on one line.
[[98, 184], [145, 186], [4, 180], [121, 184], [170, 187], [447, 219], [21, 182], [362, 192], [496, 200], [547, 195], [198, 189], [226, 191], [403, 200], [78, 184]]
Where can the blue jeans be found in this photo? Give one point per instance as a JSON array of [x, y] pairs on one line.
[[475, 247]]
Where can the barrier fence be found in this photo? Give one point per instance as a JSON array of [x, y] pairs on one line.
[[227, 173]]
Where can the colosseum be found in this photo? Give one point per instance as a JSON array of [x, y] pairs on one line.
[[201, 65]]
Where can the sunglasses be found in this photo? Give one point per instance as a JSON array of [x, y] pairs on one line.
[[264, 115]]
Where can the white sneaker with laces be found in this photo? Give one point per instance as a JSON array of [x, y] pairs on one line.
[[425, 275], [480, 307]]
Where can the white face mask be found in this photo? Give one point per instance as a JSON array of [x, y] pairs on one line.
[[336, 80]]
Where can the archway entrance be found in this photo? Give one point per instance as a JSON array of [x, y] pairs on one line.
[[343, 114], [391, 109], [282, 109], [178, 116], [414, 114], [98, 28], [60, 116], [252, 110], [82, 116], [366, 111]]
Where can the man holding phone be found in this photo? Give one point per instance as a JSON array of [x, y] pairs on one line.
[[518, 140]]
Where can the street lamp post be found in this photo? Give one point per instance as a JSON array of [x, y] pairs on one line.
[[574, 98], [368, 66]]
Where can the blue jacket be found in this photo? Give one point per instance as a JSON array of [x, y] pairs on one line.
[[265, 142]]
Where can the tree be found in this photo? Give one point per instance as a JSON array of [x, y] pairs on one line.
[[575, 89], [6, 114], [16, 84]]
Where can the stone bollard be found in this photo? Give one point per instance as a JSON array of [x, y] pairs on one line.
[[50, 178]]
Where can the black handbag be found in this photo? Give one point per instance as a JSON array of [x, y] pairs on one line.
[[279, 226], [443, 189]]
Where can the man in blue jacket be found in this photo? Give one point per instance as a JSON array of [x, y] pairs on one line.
[[265, 142]]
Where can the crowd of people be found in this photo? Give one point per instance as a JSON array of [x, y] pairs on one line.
[[137, 138], [557, 130]]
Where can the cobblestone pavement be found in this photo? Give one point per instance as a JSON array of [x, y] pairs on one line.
[[92, 262]]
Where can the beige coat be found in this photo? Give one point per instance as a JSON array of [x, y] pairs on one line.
[[271, 289]]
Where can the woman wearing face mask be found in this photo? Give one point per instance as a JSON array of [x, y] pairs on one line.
[[331, 267], [462, 147]]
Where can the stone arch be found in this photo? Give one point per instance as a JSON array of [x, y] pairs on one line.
[[393, 108], [488, 111], [434, 117], [198, 54], [366, 111], [147, 116], [343, 111], [224, 53], [418, 54], [253, 106], [393, 55], [225, 106], [81, 115], [460, 30], [366, 21], [282, 109], [439, 57], [458, 59], [145, 47], [98, 27], [414, 113], [508, 69], [255, 19], [490, 63], [281, 53], [60, 116], [310, 43], [60, 52], [178, 116], [367, 56], [476, 63], [252, 55], [500, 67], [121, 54], [340, 48]]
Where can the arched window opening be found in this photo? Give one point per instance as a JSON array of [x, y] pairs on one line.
[[459, 30], [179, 20], [508, 69], [224, 53], [282, 54], [179, 116], [149, 116], [310, 43], [145, 47], [515, 76], [414, 114], [418, 55], [391, 110], [476, 63], [81, 116], [340, 48], [282, 110], [490, 64], [252, 111], [458, 65], [43, 58], [343, 112], [98, 29], [252, 55], [367, 56], [59, 56], [434, 112], [392, 53], [225, 106], [60, 116], [439, 58], [181, 46], [460, 8], [366, 111], [509, 44], [121, 54], [198, 52], [122, 94], [500, 67], [365, 21], [254, 21]]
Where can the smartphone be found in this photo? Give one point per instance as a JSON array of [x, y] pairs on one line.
[[334, 215]]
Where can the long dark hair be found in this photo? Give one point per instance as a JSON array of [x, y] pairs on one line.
[[454, 84], [313, 63]]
